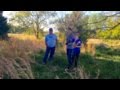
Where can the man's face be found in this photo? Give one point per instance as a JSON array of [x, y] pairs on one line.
[[77, 35], [69, 32], [50, 31]]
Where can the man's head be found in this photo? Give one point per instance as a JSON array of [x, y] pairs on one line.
[[76, 34], [50, 31], [69, 31]]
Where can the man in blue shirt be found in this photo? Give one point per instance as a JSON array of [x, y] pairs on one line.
[[69, 46], [76, 49], [50, 41]]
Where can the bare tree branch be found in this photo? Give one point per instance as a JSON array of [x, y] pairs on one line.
[[117, 14], [106, 17], [107, 28], [115, 26]]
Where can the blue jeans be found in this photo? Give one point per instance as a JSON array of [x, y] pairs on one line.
[[49, 52], [69, 57]]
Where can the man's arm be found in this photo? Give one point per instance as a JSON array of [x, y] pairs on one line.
[[46, 41], [78, 44], [56, 41]]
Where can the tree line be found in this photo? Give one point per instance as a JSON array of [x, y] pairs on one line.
[[105, 24]]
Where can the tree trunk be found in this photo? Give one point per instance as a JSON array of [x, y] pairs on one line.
[[37, 31], [37, 34]]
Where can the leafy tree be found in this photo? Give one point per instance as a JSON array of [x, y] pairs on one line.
[[33, 19]]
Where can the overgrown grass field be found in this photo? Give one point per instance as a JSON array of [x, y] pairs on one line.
[[21, 57]]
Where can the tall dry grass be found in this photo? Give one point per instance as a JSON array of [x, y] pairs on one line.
[[80, 73], [15, 57]]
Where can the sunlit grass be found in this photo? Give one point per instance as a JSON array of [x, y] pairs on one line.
[[15, 56], [21, 57]]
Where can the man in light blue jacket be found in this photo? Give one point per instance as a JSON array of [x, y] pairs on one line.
[[50, 41]]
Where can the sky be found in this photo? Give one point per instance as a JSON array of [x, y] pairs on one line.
[[60, 14]]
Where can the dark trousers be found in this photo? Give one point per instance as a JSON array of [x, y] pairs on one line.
[[49, 52], [69, 57], [75, 58]]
